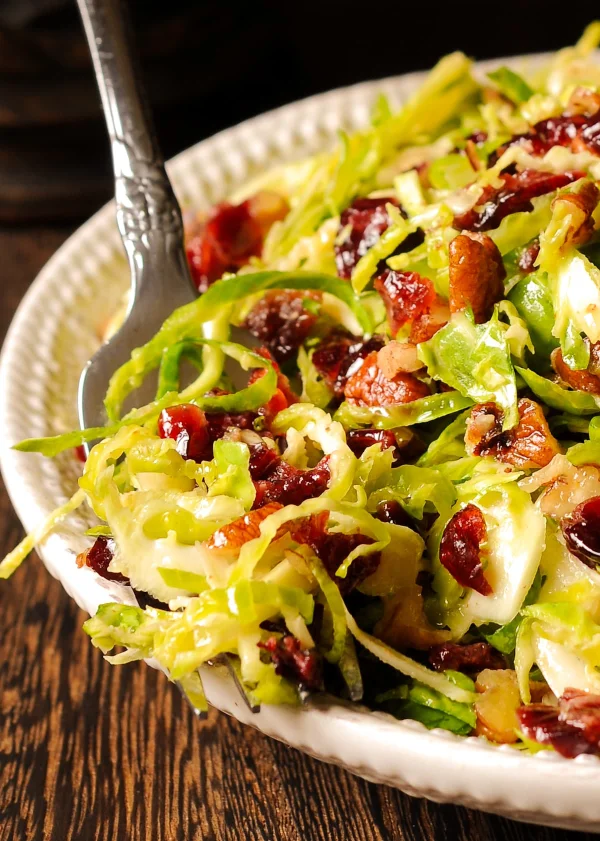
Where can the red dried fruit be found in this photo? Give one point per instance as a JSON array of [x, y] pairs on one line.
[[263, 459], [572, 728], [406, 295], [98, 558], [460, 549], [514, 196], [188, 426], [281, 320], [340, 355], [581, 530], [473, 657], [80, 453], [359, 439], [283, 397], [362, 224], [334, 548], [476, 273], [392, 512], [370, 387], [289, 485], [298, 665], [528, 256]]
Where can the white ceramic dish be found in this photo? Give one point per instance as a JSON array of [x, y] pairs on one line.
[[55, 331]]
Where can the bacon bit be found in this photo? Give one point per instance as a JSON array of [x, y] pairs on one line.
[[473, 657], [497, 704], [460, 549], [281, 320], [98, 558], [399, 357], [332, 548], [404, 623], [476, 275], [581, 530], [572, 728], [361, 225], [587, 380], [580, 205], [530, 444], [514, 196], [370, 387], [230, 236], [301, 666], [528, 256], [406, 295], [426, 326], [232, 536], [340, 355]]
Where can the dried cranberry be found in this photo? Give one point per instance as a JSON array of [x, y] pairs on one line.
[[300, 666], [359, 439], [99, 557], [473, 657], [187, 425], [80, 453], [590, 136], [581, 530], [514, 196], [333, 548], [283, 396], [281, 320], [571, 729], [361, 225], [392, 512], [407, 295], [263, 459], [230, 237], [340, 355], [460, 549], [289, 485]]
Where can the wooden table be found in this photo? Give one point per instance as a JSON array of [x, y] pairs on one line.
[[89, 751]]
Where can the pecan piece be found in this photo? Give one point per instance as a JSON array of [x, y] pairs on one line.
[[231, 537], [588, 380], [476, 275], [530, 444], [370, 387], [580, 205]]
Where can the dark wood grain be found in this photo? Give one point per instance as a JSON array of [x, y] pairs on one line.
[[96, 753]]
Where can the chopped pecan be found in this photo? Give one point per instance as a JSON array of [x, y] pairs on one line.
[[404, 623], [340, 355], [583, 101], [370, 387], [497, 704], [231, 537], [476, 275], [426, 325], [580, 204], [530, 444], [399, 357], [528, 256], [588, 380]]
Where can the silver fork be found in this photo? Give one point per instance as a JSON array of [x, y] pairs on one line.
[[148, 215]]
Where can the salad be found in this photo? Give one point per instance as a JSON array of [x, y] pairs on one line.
[[372, 464]]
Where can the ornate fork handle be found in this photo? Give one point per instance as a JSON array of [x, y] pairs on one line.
[[146, 205]]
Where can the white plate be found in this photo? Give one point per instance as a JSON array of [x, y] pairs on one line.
[[55, 331]]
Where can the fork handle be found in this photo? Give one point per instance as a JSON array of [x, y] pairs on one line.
[[148, 215]]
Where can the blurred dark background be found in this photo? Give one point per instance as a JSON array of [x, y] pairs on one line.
[[209, 64]]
